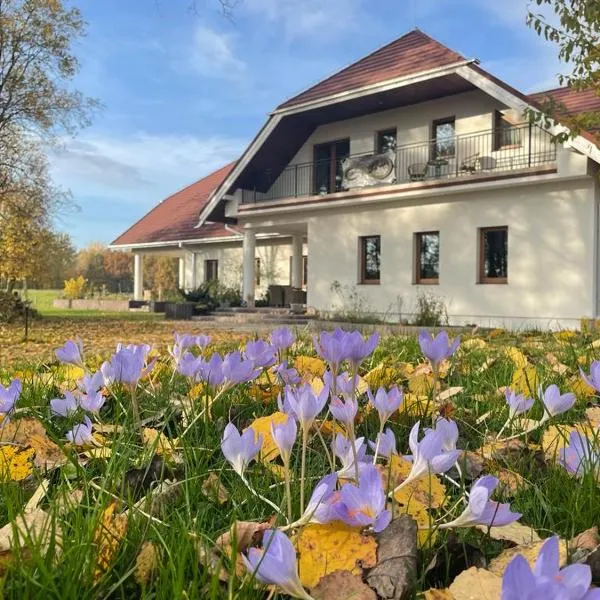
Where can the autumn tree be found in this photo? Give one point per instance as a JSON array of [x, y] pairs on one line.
[[574, 25], [118, 269], [161, 274]]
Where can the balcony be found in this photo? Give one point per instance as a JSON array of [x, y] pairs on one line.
[[458, 158]]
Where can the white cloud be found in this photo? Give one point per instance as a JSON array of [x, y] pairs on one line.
[[142, 168], [316, 19], [213, 54]]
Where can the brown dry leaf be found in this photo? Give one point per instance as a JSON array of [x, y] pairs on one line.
[[556, 365], [214, 490], [107, 538], [593, 415], [262, 426], [159, 443], [476, 584], [35, 529], [449, 393], [529, 551], [68, 501], [30, 433], [439, 595], [330, 428], [146, 563], [336, 546], [510, 482], [587, 540], [516, 532], [342, 585], [107, 428], [494, 450]]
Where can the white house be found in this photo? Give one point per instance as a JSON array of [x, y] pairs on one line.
[[411, 171]]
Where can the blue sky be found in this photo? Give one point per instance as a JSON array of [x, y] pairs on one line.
[[185, 90]]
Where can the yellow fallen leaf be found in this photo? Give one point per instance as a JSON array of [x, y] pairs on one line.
[[471, 343], [415, 405], [420, 385], [107, 538], [580, 388], [516, 532], [213, 489], [476, 584], [516, 357], [530, 553], [71, 373], [146, 563], [15, 464], [262, 425], [525, 380], [309, 367], [336, 546], [382, 376], [556, 438], [158, 442]]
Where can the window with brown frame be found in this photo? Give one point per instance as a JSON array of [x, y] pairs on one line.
[[370, 259], [304, 270], [327, 166], [427, 258], [211, 270], [385, 140], [444, 138], [493, 255], [506, 135], [257, 271]]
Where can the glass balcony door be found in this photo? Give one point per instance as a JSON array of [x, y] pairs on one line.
[[327, 176]]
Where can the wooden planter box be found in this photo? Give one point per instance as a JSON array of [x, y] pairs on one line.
[[156, 306], [182, 311]]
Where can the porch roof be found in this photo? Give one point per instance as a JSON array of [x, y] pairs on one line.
[[175, 218]]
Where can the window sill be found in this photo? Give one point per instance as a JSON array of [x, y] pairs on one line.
[[370, 282], [427, 282], [494, 281], [508, 147]]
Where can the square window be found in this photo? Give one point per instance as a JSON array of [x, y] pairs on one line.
[[493, 255], [427, 257], [370, 259]]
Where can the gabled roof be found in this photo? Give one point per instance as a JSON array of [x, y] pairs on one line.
[[176, 217], [573, 101], [414, 52]]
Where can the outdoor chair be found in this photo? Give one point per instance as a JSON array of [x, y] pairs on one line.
[[417, 171], [470, 164]]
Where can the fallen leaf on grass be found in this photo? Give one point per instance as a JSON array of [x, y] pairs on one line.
[[476, 584], [15, 464], [107, 538], [335, 546], [159, 443], [556, 438], [494, 450], [516, 532], [262, 426], [342, 585], [510, 482], [530, 553], [394, 574], [449, 393], [438, 595], [525, 380], [593, 415], [214, 490], [309, 367], [146, 563]]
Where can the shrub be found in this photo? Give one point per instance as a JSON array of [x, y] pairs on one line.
[[75, 287], [430, 311], [12, 307], [211, 294]]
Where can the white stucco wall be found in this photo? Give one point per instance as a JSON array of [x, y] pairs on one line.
[[274, 263], [551, 255]]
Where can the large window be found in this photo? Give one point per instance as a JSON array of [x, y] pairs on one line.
[[444, 138], [328, 166], [370, 259], [506, 135], [211, 270], [493, 255], [427, 257], [385, 140]]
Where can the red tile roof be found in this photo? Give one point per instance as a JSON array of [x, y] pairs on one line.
[[412, 53], [175, 218], [574, 101]]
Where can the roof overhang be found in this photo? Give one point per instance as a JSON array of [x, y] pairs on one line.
[[288, 128]]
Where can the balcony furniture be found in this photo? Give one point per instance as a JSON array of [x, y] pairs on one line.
[[438, 164], [470, 164], [276, 294], [417, 171]]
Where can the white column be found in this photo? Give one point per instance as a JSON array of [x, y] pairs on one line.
[[248, 266], [182, 273], [138, 276], [297, 241], [193, 282]]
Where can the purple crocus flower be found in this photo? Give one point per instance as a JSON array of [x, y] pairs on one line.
[[345, 383], [128, 364], [341, 447], [288, 375], [238, 449], [483, 511], [386, 403], [580, 456], [518, 404], [8, 397], [428, 455], [364, 504], [237, 370], [437, 348], [448, 430], [189, 365], [554, 402], [260, 353], [357, 348], [282, 338], [594, 378], [321, 506], [90, 384], [304, 404], [284, 435], [211, 371], [64, 407], [91, 402], [344, 411], [275, 564], [385, 443], [188, 340], [71, 352], [81, 434], [547, 579], [331, 347]]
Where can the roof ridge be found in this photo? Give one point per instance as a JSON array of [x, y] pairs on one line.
[[161, 202]]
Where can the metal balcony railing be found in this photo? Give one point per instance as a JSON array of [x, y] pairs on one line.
[[461, 156]]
